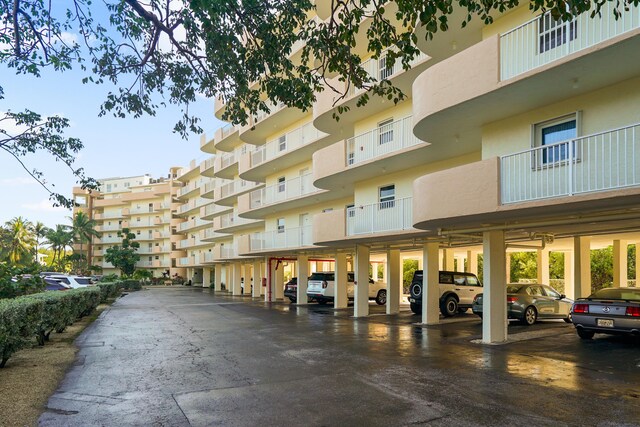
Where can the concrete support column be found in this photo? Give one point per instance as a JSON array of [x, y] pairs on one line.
[[494, 321], [361, 289], [237, 274], [340, 282], [569, 280], [303, 277], [582, 267], [246, 274], [385, 270], [279, 282], [257, 279], [447, 260], [268, 296], [430, 287], [472, 262], [460, 263], [206, 277], [620, 263], [507, 267], [394, 281], [543, 266], [217, 277]]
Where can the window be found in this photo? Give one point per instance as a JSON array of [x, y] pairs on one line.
[[552, 33], [280, 225], [535, 291], [150, 258], [385, 72], [108, 188], [387, 196], [551, 292], [282, 185], [385, 131], [445, 278], [557, 134], [126, 185], [282, 143], [351, 211]]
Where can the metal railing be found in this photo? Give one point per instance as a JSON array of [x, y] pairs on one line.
[[233, 220], [235, 187], [288, 238], [382, 140], [598, 162], [288, 142], [393, 215], [228, 251], [227, 130], [543, 40], [283, 191]]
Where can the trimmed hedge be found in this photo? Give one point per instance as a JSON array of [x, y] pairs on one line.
[[37, 315]]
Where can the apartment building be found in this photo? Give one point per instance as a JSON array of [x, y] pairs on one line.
[[519, 135]]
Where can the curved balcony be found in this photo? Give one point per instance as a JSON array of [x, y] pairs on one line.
[[519, 66], [161, 206], [207, 258], [328, 101], [227, 194], [213, 210], [207, 191], [209, 235], [207, 144], [276, 241], [262, 125], [207, 167], [283, 152], [161, 249], [192, 206], [292, 193], [219, 107], [189, 172], [227, 138], [231, 222], [382, 150], [192, 242], [190, 190], [193, 225], [226, 165]]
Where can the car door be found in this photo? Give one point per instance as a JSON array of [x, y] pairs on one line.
[[445, 281], [561, 306], [545, 306]]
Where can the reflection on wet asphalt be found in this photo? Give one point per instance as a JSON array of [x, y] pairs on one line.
[[183, 356]]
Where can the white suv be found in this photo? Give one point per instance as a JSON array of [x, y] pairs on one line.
[[321, 287], [73, 281], [457, 291]]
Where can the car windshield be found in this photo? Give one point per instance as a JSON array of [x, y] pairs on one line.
[[321, 276], [626, 294], [83, 280]]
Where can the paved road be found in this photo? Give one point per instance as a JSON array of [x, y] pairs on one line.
[[183, 356]]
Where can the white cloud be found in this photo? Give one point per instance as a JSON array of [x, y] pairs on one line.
[[69, 38], [44, 206], [11, 182]]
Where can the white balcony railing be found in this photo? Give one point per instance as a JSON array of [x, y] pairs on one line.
[[213, 209], [287, 190], [261, 115], [208, 233], [383, 140], [603, 161], [394, 215], [227, 130], [543, 40], [193, 223], [288, 238], [297, 138], [377, 68], [228, 251], [235, 187], [233, 220]]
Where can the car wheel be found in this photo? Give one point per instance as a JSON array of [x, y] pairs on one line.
[[322, 301], [381, 298], [416, 308], [585, 334], [567, 319], [293, 300], [530, 316], [449, 307]]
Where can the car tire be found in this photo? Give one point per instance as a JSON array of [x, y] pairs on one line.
[[449, 306], [462, 310], [530, 316], [416, 308], [381, 298], [567, 319], [585, 334], [322, 301]]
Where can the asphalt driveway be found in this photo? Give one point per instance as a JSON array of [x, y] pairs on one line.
[[184, 356]]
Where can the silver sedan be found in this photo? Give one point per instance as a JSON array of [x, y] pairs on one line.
[[608, 311], [530, 302]]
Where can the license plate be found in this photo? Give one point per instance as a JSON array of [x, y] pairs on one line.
[[605, 323], [412, 300]]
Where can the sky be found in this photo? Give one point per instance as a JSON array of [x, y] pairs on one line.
[[112, 146]]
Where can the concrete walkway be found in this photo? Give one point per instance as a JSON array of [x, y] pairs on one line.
[[184, 356]]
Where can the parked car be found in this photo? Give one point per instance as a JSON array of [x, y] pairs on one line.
[[607, 311], [530, 302], [55, 285], [50, 273], [321, 287], [291, 290], [457, 291], [73, 281]]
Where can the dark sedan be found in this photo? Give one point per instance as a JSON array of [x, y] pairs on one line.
[[608, 311], [291, 289], [530, 302]]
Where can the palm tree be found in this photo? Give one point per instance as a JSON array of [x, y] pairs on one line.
[[83, 229], [59, 239], [19, 241], [40, 232]]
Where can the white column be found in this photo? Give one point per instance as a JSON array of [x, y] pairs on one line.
[[472, 262], [507, 267], [430, 287], [361, 289], [543, 266], [394, 281], [303, 276], [268, 296], [279, 282], [246, 274], [340, 282], [385, 270], [620, 263], [257, 279], [569, 280], [447, 260], [237, 274], [582, 267], [217, 277], [206, 277], [494, 322]]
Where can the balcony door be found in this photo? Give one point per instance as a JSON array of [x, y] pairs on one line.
[[305, 229]]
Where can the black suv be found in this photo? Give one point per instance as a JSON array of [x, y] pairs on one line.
[[457, 291]]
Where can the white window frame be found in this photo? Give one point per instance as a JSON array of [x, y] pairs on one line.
[[536, 138], [385, 131], [282, 184], [386, 202], [280, 225]]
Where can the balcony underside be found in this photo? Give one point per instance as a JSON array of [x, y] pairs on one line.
[[283, 252], [302, 201], [228, 172], [457, 120], [231, 199], [238, 227], [228, 142], [267, 126]]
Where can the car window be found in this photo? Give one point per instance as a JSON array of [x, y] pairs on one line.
[[534, 291], [617, 293], [512, 289], [473, 281], [351, 277], [446, 278], [64, 280], [459, 280], [322, 276], [83, 281], [551, 292]]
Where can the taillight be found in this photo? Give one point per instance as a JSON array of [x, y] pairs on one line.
[[512, 299], [324, 284], [633, 311], [580, 308]]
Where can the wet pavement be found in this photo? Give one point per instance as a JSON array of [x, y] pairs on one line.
[[184, 356]]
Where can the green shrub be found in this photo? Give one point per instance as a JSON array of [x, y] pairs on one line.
[[132, 285], [109, 290], [55, 304], [19, 318]]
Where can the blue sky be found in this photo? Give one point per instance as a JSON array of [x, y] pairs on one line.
[[113, 147]]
